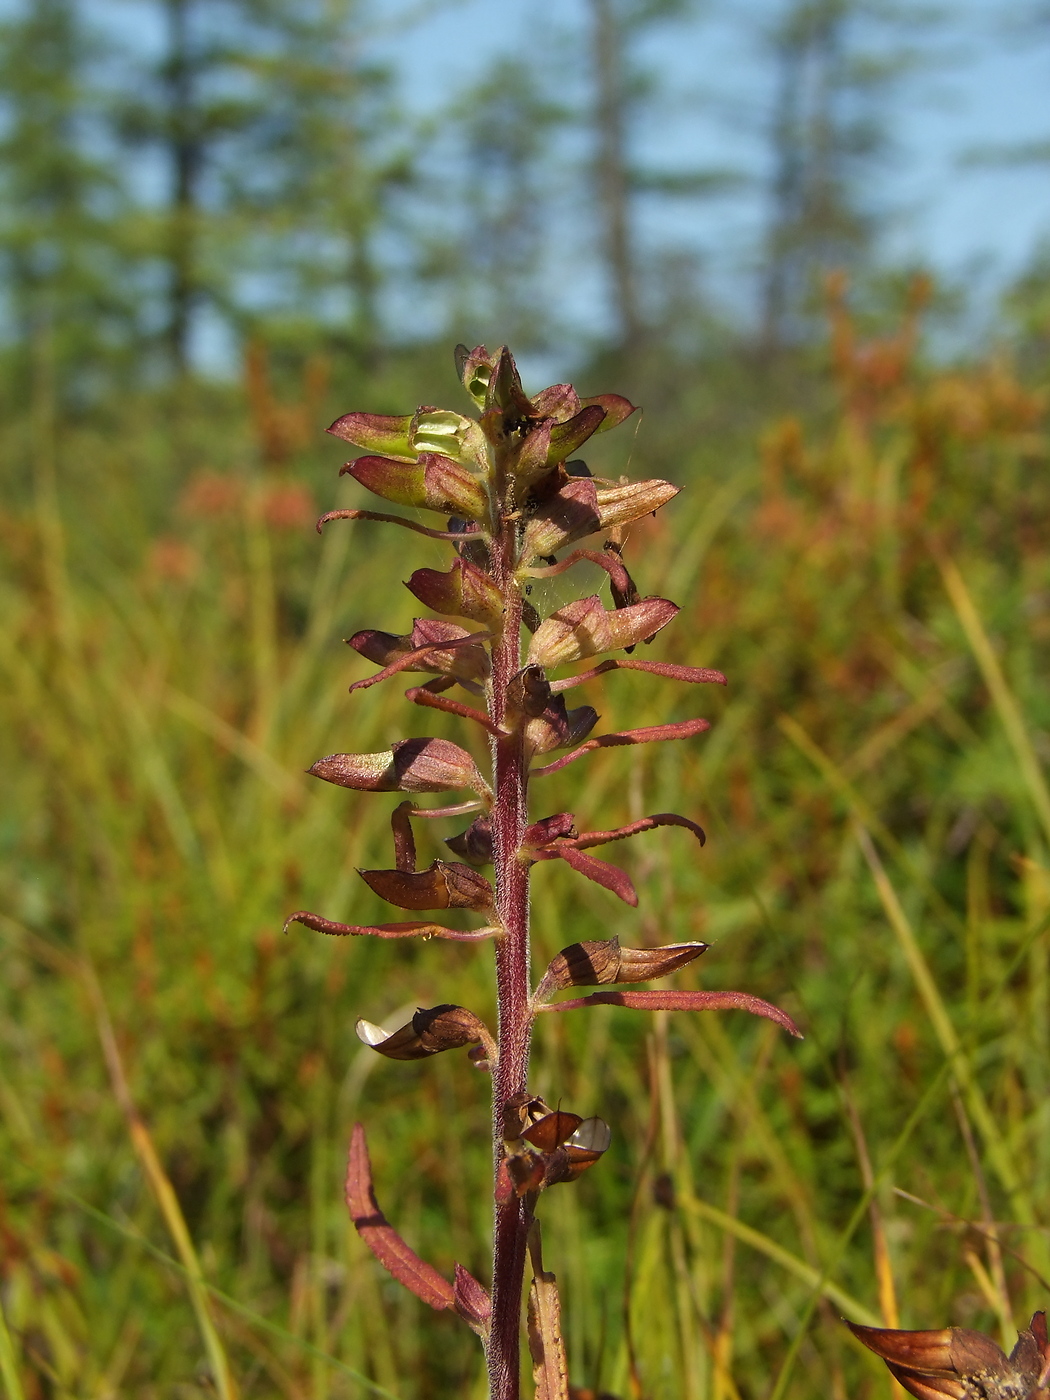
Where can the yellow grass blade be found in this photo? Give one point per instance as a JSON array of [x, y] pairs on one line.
[[8, 1363], [811, 1277], [1002, 696], [945, 1032], [164, 1193]]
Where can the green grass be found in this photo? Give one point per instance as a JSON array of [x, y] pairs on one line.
[[877, 822]]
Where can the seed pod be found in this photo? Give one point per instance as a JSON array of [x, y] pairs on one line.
[[410, 765], [552, 1130], [527, 1170], [444, 885], [521, 1111], [586, 628], [528, 693], [430, 1031], [599, 963], [590, 1140]]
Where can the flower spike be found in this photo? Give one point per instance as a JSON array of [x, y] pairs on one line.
[[514, 496]]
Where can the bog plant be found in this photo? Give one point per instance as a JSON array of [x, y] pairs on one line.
[[517, 505]]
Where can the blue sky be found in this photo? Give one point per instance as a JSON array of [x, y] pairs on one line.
[[983, 82]]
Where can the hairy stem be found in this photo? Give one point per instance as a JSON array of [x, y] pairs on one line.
[[510, 1077]]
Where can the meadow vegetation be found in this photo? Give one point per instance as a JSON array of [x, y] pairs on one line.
[[178, 1079]]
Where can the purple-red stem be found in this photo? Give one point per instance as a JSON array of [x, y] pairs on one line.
[[510, 1076]]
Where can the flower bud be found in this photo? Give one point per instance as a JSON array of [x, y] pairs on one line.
[[465, 591], [475, 370], [433, 482], [411, 765], [450, 435], [560, 402], [429, 1032], [599, 963], [376, 432], [444, 885], [586, 628]]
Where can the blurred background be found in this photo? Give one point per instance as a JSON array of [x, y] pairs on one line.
[[808, 236]]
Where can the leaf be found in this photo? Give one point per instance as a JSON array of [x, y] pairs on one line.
[[682, 1001], [610, 877], [586, 839], [684, 729], [415, 929], [471, 1300], [456, 536], [550, 1370], [380, 1236], [697, 675]]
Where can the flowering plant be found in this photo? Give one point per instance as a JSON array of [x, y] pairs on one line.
[[515, 499]]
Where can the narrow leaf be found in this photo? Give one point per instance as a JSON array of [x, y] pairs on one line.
[[610, 877], [415, 929], [456, 536], [380, 1236], [685, 729], [682, 1001], [471, 1300], [550, 1371], [587, 839], [429, 700], [697, 675]]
